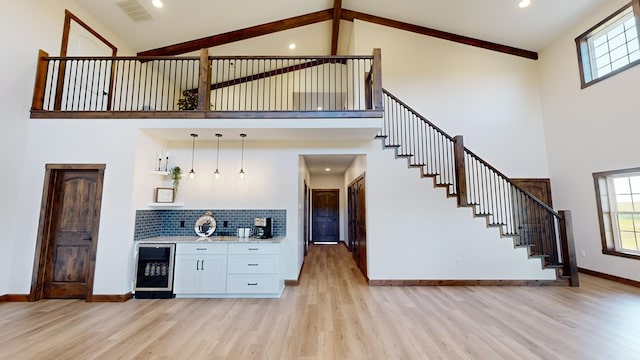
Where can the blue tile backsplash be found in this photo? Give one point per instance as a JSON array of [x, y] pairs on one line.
[[151, 223]]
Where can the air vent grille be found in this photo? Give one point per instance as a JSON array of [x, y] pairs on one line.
[[134, 10]]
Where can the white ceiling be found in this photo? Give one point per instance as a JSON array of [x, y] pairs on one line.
[[499, 21], [337, 163]]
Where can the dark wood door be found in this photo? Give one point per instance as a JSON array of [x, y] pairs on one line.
[[361, 227], [306, 219], [326, 209], [70, 237], [536, 226], [357, 214], [540, 188]]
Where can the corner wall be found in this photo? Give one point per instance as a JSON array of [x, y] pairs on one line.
[[588, 130]]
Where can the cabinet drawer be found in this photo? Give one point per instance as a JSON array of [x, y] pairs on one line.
[[201, 249], [259, 264], [252, 284], [254, 249]]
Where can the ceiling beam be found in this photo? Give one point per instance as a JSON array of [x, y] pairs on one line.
[[335, 26], [350, 15], [241, 34]]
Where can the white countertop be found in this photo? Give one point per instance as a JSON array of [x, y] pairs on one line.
[[221, 239]]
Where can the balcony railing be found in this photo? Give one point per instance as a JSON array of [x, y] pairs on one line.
[[208, 86]]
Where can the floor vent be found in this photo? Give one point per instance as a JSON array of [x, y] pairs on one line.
[[134, 10]]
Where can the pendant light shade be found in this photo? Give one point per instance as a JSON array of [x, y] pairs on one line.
[[192, 173], [217, 172], [242, 157]]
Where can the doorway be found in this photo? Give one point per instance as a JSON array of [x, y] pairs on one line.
[[68, 232], [325, 213]]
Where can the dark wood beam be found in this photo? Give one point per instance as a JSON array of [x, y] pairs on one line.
[[335, 26], [350, 15], [241, 34]]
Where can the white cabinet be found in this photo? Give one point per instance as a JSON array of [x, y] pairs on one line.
[[200, 269], [254, 269]]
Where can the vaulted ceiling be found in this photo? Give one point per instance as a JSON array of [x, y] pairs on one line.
[[313, 24]]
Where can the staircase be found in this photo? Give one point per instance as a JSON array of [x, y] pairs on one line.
[[532, 224]]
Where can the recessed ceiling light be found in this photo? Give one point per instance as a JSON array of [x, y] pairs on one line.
[[319, 108], [524, 3], [327, 169], [157, 3], [292, 46]]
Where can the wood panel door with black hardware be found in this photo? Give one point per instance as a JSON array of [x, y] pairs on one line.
[[69, 236], [536, 227], [358, 223], [325, 215]]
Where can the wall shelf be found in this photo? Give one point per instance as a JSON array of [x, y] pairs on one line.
[[157, 172], [165, 205]]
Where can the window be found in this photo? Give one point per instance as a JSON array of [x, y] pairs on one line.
[[618, 199], [609, 47]]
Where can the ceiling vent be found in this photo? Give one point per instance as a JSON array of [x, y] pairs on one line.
[[134, 10]]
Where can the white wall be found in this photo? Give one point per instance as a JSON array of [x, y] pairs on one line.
[[25, 27], [589, 130], [467, 91], [334, 182]]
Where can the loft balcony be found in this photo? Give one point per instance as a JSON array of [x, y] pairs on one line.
[[208, 87]]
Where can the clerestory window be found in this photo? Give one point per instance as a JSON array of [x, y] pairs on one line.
[[610, 47], [618, 199]]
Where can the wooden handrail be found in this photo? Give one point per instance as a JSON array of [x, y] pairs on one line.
[[40, 81], [568, 248]]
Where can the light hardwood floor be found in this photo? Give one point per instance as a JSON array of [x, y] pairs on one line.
[[333, 314]]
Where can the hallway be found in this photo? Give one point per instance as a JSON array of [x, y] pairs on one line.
[[333, 314]]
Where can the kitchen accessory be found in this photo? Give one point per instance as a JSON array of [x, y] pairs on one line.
[[264, 227], [205, 225], [245, 232]]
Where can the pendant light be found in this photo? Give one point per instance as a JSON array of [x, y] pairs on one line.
[[242, 157], [192, 173], [217, 172]]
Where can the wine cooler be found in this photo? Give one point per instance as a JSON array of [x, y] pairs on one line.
[[154, 271]]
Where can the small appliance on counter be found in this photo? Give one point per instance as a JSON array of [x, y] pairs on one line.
[[264, 228]]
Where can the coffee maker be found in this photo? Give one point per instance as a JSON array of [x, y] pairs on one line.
[[264, 228]]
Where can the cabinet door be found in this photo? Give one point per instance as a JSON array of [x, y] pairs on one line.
[[213, 269], [187, 274]]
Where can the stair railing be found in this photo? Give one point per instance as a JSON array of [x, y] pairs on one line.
[[517, 213]]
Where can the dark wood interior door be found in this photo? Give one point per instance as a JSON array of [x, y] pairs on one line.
[[306, 219], [357, 214], [326, 209], [71, 239], [536, 227]]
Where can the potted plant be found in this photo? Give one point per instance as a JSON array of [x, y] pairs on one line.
[[176, 175], [189, 100]]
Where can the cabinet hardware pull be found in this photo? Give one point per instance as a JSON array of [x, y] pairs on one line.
[[87, 239], [201, 248], [253, 249], [202, 266], [252, 284], [252, 264], [198, 265]]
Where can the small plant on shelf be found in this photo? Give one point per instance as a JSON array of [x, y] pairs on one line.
[[176, 175], [188, 101]]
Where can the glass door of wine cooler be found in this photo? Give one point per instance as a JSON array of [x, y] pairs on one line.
[[154, 270]]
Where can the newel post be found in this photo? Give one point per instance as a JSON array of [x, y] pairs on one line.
[[461, 170], [376, 79], [204, 83], [40, 81], [568, 248]]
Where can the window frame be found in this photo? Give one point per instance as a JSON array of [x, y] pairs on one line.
[[609, 247], [584, 51]]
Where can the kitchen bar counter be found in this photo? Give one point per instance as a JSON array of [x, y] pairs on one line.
[[211, 239]]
